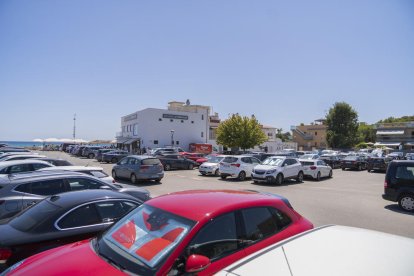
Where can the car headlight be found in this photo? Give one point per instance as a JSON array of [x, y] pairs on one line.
[[271, 171]]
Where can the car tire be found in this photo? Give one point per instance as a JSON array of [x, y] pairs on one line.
[[217, 172], [406, 202], [242, 176], [133, 178], [190, 166], [279, 179], [114, 176], [91, 156], [203, 173], [330, 174], [299, 178], [318, 176], [255, 181], [114, 160], [343, 169], [223, 176], [158, 180], [359, 167], [167, 167]]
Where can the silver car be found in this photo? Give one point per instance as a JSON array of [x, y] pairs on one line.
[[20, 166], [94, 171], [138, 167]]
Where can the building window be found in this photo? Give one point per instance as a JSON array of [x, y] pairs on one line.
[[316, 133], [171, 120], [177, 142], [192, 122], [412, 133], [155, 142], [202, 134], [159, 119], [202, 116], [182, 121]]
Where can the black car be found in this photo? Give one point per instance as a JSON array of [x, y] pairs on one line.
[[114, 156], [61, 219], [377, 164], [260, 155], [354, 162], [90, 151], [399, 184], [22, 190], [331, 160], [100, 152], [55, 162], [176, 161]]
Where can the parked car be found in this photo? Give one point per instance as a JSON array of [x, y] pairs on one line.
[[89, 151], [170, 150], [331, 250], [239, 166], [138, 167], [77, 150], [396, 155], [20, 191], [399, 184], [276, 169], [261, 155], [97, 172], [175, 234], [193, 156], [20, 166], [16, 157], [114, 156], [315, 169], [211, 166], [100, 152], [61, 219], [377, 164], [409, 156], [12, 149], [176, 161], [6, 154], [309, 156], [332, 160], [354, 162], [55, 162]]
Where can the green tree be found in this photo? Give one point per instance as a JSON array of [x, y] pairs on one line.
[[402, 119], [366, 133], [284, 136], [342, 122], [240, 132]]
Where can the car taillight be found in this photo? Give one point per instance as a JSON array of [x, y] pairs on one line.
[[313, 168], [385, 184], [5, 254], [235, 165], [144, 167]]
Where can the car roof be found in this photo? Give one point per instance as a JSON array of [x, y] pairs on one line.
[[72, 168], [198, 205], [24, 161], [78, 197], [35, 175], [332, 250]]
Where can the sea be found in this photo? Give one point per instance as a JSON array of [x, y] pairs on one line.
[[27, 144]]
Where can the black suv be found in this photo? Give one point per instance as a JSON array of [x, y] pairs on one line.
[[377, 164], [399, 184]]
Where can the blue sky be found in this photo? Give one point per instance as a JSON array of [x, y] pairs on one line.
[[287, 62]]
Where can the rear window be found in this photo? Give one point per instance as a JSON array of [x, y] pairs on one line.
[[229, 159], [307, 163], [99, 174], [151, 161]]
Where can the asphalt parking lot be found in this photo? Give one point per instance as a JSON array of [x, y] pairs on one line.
[[351, 198]]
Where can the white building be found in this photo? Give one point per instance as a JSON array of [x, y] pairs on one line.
[[179, 125]]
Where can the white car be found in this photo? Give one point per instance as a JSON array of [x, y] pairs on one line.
[[211, 166], [331, 250], [239, 166], [316, 168], [310, 156], [20, 166], [275, 169], [16, 157], [94, 171]]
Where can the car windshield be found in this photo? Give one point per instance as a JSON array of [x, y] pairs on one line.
[[147, 235], [351, 158], [34, 216], [273, 161], [215, 159]]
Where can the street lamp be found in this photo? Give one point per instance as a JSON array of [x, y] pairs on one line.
[[172, 137]]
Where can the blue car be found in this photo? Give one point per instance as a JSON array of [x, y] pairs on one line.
[[139, 167]]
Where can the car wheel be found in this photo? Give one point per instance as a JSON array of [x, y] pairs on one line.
[[190, 166], [158, 180], [299, 178], [242, 176], [318, 176], [368, 170], [203, 173], [133, 179], [114, 160], [91, 155], [255, 181], [343, 169], [167, 167], [114, 176], [406, 202], [330, 174], [279, 179], [359, 167], [217, 172], [223, 176]]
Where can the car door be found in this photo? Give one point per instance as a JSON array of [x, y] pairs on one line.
[[254, 163], [323, 168], [122, 168], [20, 168], [246, 165], [288, 169], [219, 240]]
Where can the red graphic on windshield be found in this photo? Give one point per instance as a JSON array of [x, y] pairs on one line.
[[126, 235]]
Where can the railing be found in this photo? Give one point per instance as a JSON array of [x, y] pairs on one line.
[[305, 136]]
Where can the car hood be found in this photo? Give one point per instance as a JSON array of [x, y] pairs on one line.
[[73, 259], [265, 167]]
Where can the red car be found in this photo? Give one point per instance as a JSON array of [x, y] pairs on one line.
[[193, 155], [184, 232]]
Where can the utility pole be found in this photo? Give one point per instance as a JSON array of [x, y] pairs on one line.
[[74, 127]]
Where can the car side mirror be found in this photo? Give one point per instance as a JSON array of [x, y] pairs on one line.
[[196, 263]]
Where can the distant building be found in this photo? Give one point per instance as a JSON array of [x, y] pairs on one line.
[[310, 137], [395, 135]]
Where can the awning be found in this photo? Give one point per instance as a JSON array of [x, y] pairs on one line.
[[390, 132], [387, 144], [130, 141], [121, 140]]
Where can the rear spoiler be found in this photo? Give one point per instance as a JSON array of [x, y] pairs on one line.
[[284, 199]]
